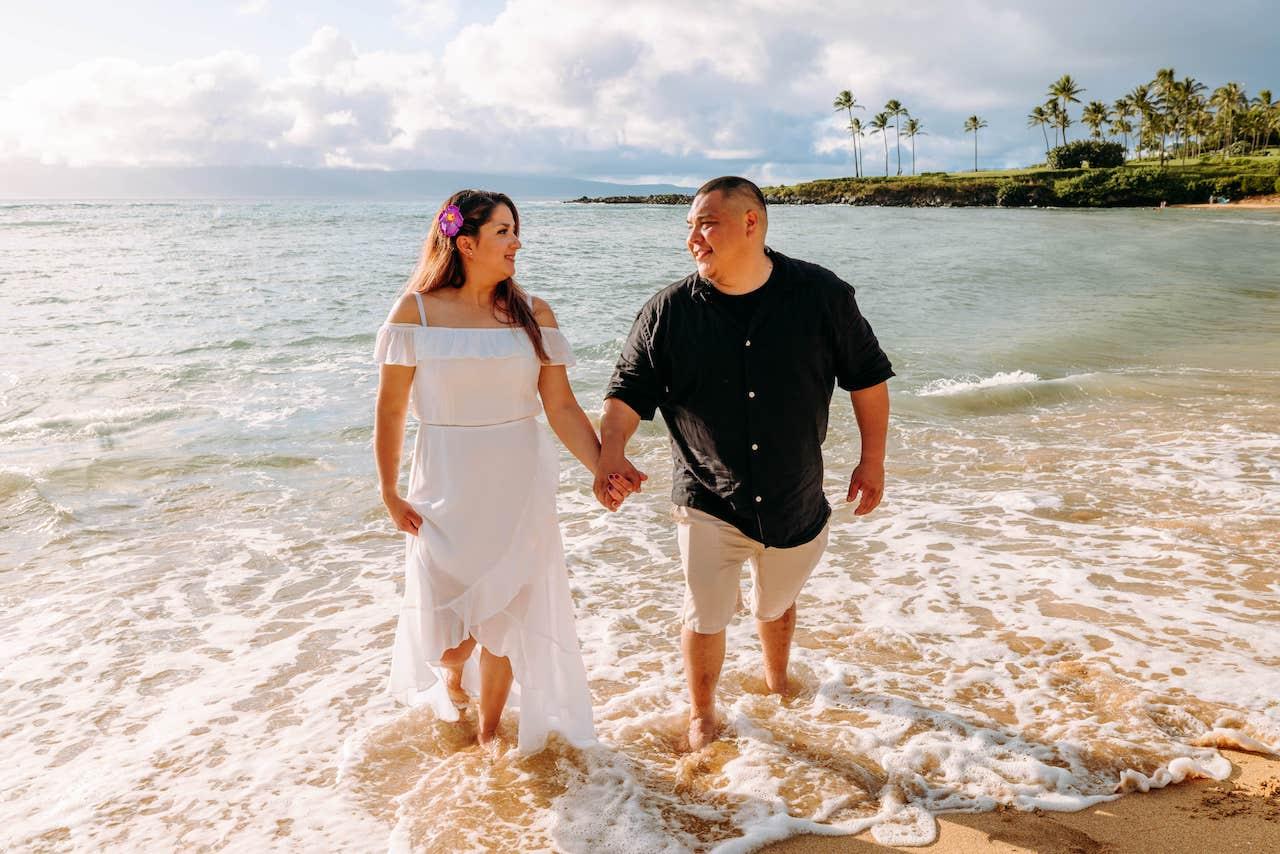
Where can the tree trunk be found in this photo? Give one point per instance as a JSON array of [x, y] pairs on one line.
[[897, 141]]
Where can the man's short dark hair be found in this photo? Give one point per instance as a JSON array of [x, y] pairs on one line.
[[732, 185]]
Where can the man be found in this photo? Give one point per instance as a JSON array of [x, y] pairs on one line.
[[741, 358]]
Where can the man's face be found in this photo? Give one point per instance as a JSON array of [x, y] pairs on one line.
[[722, 235]]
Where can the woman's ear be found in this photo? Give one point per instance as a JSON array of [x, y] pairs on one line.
[[466, 245]]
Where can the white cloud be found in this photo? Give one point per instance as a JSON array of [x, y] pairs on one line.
[[425, 18], [253, 7], [655, 88]]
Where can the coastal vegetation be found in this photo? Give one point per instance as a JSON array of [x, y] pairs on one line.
[[1130, 185], [1176, 119], [1169, 140], [1134, 184]]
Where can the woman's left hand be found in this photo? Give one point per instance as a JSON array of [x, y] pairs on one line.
[[402, 514]]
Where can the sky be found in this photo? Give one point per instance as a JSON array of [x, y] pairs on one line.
[[670, 91]]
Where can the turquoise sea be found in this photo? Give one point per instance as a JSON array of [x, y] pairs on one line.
[[1070, 591]]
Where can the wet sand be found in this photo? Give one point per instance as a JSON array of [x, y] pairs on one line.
[[1251, 202], [1238, 814]]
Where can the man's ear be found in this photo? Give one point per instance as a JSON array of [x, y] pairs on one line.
[[752, 218]]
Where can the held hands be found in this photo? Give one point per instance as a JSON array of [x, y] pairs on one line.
[[402, 514], [615, 480], [868, 479]]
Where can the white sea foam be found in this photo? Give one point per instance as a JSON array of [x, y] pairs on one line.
[[945, 387]]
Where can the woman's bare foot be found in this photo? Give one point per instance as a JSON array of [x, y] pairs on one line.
[[490, 739], [461, 699], [703, 730]]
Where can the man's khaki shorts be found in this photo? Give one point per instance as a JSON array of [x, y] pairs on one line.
[[713, 552]]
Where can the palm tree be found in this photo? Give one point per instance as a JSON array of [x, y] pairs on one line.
[[1040, 117], [880, 125], [1123, 111], [1095, 116], [1143, 105], [914, 128], [1199, 123], [973, 123], [1121, 127], [1272, 120], [1061, 121], [846, 101], [1153, 130], [855, 128], [1228, 99], [1165, 85], [1064, 90], [1262, 109], [1189, 100], [895, 109]]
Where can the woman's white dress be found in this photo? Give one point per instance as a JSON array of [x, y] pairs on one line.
[[488, 561]]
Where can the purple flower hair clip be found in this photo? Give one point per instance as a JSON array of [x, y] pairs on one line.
[[450, 220]]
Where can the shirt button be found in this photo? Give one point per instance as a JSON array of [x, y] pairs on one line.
[[751, 394], [759, 499], [748, 342], [754, 446]]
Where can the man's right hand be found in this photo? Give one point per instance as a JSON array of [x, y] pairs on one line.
[[616, 478]]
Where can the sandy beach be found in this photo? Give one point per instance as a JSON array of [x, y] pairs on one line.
[[1250, 202], [1241, 813]]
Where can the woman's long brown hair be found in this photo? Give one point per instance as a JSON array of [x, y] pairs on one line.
[[441, 263]]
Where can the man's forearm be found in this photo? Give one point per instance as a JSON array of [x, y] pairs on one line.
[[617, 425], [871, 409]]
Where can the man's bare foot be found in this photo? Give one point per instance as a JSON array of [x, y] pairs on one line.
[[777, 684], [702, 730]]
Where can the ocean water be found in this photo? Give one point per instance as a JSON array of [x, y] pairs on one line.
[[1071, 590]]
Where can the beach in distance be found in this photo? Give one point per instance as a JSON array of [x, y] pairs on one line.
[[1069, 592]]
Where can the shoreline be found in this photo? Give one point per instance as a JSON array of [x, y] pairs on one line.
[[1248, 202], [1248, 182], [1241, 813], [1255, 202]]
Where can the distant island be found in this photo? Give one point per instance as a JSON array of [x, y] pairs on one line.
[[35, 181]]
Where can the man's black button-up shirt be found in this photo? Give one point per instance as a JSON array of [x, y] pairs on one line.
[[747, 404]]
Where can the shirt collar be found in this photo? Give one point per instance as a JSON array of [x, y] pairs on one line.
[[703, 290]]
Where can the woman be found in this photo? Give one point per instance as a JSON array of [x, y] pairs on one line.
[[484, 566]]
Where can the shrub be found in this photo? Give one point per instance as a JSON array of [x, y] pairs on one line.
[[1278, 185], [1228, 186], [1256, 185], [1022, 194], [1093, 153], [1238, 147], [1136, 186]]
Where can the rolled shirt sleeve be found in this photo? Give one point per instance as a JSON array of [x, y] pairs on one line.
[[635, 377], [859, 361]]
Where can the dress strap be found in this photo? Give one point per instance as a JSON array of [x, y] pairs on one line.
[[422, 311]]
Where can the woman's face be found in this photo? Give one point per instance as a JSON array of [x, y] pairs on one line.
[[494, 252]]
